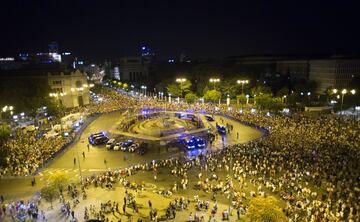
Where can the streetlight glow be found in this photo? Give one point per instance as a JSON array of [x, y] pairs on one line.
[[181, 81], [214, 80], [242, 82]]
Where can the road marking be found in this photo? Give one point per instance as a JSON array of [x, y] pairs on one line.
[[96, 170]]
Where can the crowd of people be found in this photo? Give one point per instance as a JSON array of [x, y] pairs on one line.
[[26, 153], [311, 164]]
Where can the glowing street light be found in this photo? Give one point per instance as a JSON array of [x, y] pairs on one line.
[[242, 82], [343, 92], [144, 88], [214, 80], [181, 81]]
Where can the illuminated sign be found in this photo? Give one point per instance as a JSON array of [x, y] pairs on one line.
[[7, 59]]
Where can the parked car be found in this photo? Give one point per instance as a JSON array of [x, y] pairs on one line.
[[110, 144], [98, 138], [118, 146], [126, 145], [133, 147]]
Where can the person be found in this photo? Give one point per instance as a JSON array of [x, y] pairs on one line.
[[83, 154], [237, 135], [88, 146], [74, 161], [150, 204]]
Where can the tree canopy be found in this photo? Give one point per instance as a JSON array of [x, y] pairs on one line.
[[212, 95], [265, 209]]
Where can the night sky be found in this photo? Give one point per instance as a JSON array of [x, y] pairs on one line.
[[210, 29]]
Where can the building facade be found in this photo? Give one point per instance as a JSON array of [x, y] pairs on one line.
[[296, 69], [71, 89], [334, 73], [134, 69]]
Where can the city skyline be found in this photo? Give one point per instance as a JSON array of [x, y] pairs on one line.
[[203, 29]]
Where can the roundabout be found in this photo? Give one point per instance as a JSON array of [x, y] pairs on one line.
[[98, 159], [159, 147], [161, 126]]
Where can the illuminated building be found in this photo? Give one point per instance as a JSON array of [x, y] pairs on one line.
[[73, 86]]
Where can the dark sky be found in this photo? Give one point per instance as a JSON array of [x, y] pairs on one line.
[[107, 29]]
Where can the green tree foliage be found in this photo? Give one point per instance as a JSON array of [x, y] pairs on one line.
[[241, 99], [191, 97], [5, 132], [259, 90], [282, 92], [265, 209], [212, 95], [25, 94], [175, 88], [50, 193], [58, 180], [230, 87]]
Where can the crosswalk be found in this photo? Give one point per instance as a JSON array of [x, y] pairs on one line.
[[68, 171]]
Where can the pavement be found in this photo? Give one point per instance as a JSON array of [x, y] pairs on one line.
[[95, 156]]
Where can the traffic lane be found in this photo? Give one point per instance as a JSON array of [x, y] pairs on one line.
[[245, 133]]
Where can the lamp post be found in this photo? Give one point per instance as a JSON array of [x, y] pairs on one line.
[[343, 92], [242, 82], [228, 100], [214, 80], [181, 81], [169, 97], [7, 108], [144, 88]]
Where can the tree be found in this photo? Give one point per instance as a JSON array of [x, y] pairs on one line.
[[58, 180], [230, 87], [176, 89], [282, 92], [258, 90], [241, 99], [190, 97], [4, 132], [265, 209], [264, 100], [212, 95], [4, 149], [50, 193]]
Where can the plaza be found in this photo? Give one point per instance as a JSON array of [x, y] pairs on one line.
[[99, 160]]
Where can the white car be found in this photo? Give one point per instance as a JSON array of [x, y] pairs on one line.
[[110, 144], [133, 147], [118, 146]]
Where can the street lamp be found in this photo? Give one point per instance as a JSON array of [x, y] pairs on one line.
[[181, 81], [212, 80], [169, 97], [242, 82], [144, 88], [7, 108], [343, 92]]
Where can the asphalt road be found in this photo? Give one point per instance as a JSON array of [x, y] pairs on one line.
[[95, 156]]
